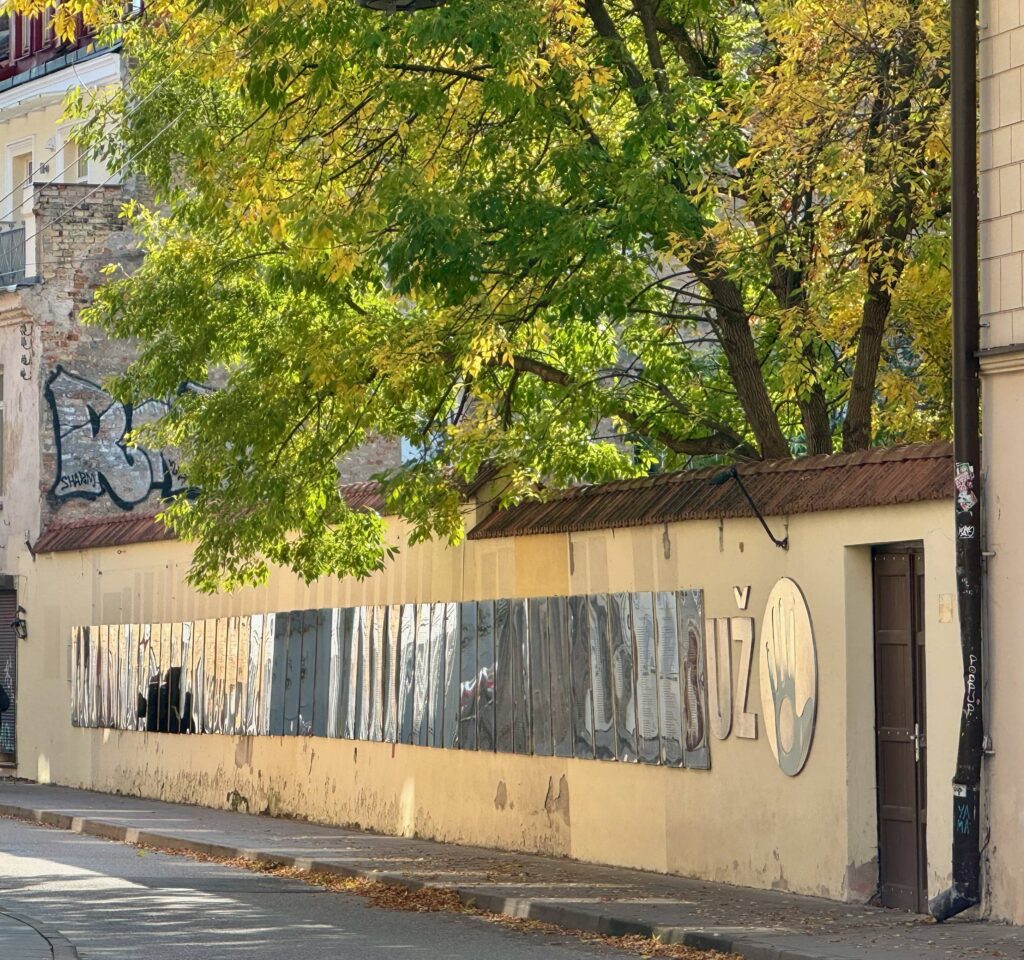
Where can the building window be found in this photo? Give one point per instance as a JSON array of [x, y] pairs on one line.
[[5, 37], [25, 40], [21, 177]]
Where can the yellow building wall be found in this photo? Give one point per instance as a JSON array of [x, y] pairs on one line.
[[742, 822]]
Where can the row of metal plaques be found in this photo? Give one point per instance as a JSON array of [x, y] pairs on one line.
[[607, 676]]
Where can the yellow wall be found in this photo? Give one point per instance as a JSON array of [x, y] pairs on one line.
[[742, 822]]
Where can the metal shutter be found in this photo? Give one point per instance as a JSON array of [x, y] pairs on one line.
[[8, 670]]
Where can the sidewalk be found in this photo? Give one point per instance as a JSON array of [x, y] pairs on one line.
[[760, 925], [24, 939]]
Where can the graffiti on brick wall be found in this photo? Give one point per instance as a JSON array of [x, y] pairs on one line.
[[94, 457]]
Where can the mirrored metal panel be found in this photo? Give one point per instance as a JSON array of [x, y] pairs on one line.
[[451, 675], [522, 701], [601, 676], [254, 677], [365, 672], [435, 718], [337, 679], [645, 661], [540, 679], [293, 673], [406, 673], [198, 676], [468, 676], [504, 676], [696, 750], [561, 676], [422, 683], [278, 672], [391, 672], [354, 697], [307, 673], [377, 650], [579, 666], [231, 674], [322, 673], [486, 669], [669, 700], [623, 679]]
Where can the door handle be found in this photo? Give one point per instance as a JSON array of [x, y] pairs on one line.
[[919, 742]]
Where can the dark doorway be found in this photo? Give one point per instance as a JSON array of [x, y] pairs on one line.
[[900, 726], [8, 673]]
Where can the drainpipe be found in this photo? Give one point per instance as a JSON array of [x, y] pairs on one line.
[[966, 889]]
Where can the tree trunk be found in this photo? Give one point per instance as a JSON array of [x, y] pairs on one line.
[[733, 328], [817, 426], [857, 425]]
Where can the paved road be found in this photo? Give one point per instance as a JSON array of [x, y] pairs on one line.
[[113, 901]]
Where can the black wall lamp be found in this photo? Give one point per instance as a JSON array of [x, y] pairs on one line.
[[732, 474], [20, 625]]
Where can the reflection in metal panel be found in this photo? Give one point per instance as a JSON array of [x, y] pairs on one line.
[[696, 752], [376, 673], [561, 681], [521, 698], [353, 643], [451, 676], [391, 673], [421, 690], [406, 672], [615, 676], [278, 673], [337, 678], [435, 717], [623, 689], [365, 672], [503, 677], [645, 661], [292, 673], [669, 701], [467, 676], [485, 675], [579, 668], [601, 677], [539, 683], [254, 679], [307, 673]]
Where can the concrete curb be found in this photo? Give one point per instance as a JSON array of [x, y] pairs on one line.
[[524, 908], [60, 946]]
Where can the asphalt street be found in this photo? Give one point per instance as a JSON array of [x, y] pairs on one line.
[[114, 901]]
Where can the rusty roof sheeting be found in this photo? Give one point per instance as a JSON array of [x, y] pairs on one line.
[[121, 531], [870, 478]]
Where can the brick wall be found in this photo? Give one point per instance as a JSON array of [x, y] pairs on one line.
[[85, 472], [1001, 71]]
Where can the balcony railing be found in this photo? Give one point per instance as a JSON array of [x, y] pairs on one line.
[[12, 253]]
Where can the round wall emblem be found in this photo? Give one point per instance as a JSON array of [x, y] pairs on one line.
[[789, 676]]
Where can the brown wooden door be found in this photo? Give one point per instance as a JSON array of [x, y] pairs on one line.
[[899, 727]]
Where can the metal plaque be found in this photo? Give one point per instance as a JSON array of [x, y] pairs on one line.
[[522, 703], [579, 667], [561, 676], [669, 699], [391, 671], [307, 673], [468, 676], [322, 673], [451, 675], [435, 716], [337, 678], [601, 676], [696, 752], [645, 659], [406, 672], [421, 700], [540, 679], [486, 669], [504, 679], [623, 680]]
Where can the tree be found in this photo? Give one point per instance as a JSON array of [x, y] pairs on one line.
[[711, 228]]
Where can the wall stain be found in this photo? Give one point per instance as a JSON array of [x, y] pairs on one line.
[[558, 803], [501, 797], [237, 802]]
